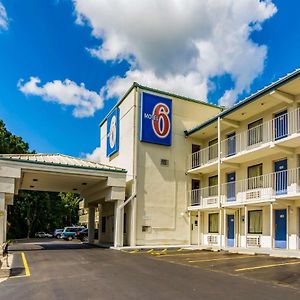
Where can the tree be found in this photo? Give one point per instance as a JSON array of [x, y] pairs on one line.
[[10, 143]]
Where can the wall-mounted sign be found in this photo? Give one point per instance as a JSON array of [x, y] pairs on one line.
[[156, 119], [113, 124]]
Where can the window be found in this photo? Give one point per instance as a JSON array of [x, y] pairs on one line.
[[103, 224], [213, 223], [213, 186], [255, 132], [213, 149], [255, 179], [255, 221], [195, 184], [195, 148]]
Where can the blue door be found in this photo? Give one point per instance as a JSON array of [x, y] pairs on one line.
[[231, 187], [280, 228], [230, 230], [281, 125], [231, 144], [281, 177]]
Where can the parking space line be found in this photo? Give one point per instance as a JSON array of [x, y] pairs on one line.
[[184, 254], [162, 252], [268, 266], [218, 259], [134, 251], [27, 271]]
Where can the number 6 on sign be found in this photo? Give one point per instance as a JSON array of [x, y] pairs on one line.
[[156, 119]]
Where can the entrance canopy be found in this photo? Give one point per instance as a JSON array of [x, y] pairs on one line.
[[95, 182]]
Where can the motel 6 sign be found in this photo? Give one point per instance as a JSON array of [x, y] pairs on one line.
[[156, 119], [112, 142]]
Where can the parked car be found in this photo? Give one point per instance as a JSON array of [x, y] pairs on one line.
[[57, 233], [82, 235], [69, 232], [43, 234]]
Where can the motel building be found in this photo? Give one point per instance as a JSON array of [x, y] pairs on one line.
[[201, 176], [175, 171]]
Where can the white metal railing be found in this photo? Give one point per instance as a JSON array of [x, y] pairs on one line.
[[206, 155], [270, 131], [263, 187], [205, 197]]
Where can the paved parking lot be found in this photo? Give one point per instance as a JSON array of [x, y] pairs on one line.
[[47, 269], [283, 271]]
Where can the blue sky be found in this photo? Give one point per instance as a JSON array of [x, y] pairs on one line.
[[85, 41]]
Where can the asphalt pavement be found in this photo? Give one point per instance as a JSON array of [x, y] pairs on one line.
[[70, 270]]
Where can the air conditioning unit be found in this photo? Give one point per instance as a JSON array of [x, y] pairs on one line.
[[212, 201], [212, 239], [253, 195], [253, 241]]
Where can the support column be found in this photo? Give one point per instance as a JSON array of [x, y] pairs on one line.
[[246, 225], [239, 243], [91, 224], [2, 219], [198, 228], [220, 228], [225, 226], [133, 222], [99, 222], [119, 219], [190, 227], [271, 224]]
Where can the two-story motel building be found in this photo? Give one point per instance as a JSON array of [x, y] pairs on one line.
[[200, 175]]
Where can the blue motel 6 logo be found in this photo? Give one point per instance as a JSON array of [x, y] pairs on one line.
[[112, 141], [156, 119]]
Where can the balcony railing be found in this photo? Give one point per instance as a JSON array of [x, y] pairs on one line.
[[256, 189], [205, 197], [265, 187], [204, 156], [270, 131]]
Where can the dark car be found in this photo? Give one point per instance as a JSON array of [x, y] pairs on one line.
[[82, 235], [69, 233]]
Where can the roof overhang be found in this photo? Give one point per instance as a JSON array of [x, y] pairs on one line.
[[285, 89]]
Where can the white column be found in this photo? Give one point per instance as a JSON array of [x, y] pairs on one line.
[[220, 228], [239, 243], [133, 222], [225, 226], [119, 219], [91, 224], [271, 224], [190, 227], [246, 224], [198, 228], [2, 219]]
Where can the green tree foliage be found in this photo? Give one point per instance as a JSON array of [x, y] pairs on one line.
[[10, 143], [36, 211]]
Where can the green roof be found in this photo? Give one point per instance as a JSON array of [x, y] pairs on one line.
[[137, 85]]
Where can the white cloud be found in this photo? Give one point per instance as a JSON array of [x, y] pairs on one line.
[[178, 45], [3, 18], [94, 156], [67, 93]]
